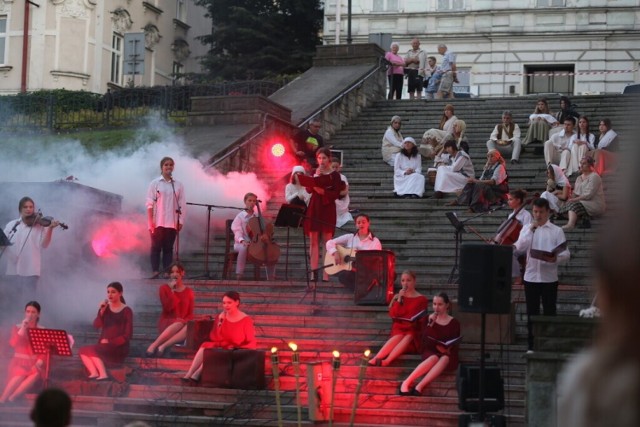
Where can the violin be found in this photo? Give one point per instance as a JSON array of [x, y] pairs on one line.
[[262, 248], [45, 221]]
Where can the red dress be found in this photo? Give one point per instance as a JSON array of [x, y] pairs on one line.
[[229, 335], [410, 307], [118, 329], [321, 212], [175, 306], [442, 333], [24, 361]]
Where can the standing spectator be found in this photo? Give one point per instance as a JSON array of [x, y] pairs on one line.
[[545, 246], [540, 121], [605, 146], [392, 141], [307, 142], [52, 408], [566, 110], [343, 215], [449, 73], [177, 309], [452, 178], [506, 138], [24, 256], [115, 321], [294, 192], [556, 148], [166, 207], [408, 180], [395, 73], [416, 64], [588, 197], [579, 145], [434, 74]]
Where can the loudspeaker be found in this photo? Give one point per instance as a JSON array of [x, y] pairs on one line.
[[375, 274], [485, 278], [468, 384], [240, 368]]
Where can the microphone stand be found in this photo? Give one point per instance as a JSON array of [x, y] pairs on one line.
[[178, 213], [209, 207]]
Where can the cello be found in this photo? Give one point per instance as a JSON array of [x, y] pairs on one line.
[[262, 248], [509, 230]]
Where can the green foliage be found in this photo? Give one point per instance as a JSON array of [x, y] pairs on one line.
[[39, 101], [257, 39]]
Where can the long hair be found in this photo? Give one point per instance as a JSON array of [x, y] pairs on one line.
[[578, 127], [545, 110], [444, 118], [24, 200], [410, 153], [118, 287]]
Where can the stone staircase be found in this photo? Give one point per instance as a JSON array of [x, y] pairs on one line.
[[422, 239]]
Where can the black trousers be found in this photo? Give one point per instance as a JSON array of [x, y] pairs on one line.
[[395, 86], [534, 293], [162, 240]]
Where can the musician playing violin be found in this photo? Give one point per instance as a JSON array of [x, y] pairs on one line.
[[362, 239], [28, 236], [243, 235]]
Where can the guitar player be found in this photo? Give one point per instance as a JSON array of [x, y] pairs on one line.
[[347, 245]]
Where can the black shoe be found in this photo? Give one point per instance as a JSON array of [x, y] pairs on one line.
[[148, 354], [404, 393], [414, 392], [514, 161]]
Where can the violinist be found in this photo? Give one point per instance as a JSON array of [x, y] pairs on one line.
[[242, 235], [28, 236]]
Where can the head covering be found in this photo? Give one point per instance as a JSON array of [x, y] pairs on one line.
[[436, 134], [409, 139], [297, 169], [559, 177], [394, 118]]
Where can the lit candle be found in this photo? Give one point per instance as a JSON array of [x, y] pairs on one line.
[[336, 368], [276, 381], [296, 370], [364, 363], [336, 360]]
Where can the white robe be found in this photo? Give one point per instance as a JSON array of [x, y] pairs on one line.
[[412, 183]]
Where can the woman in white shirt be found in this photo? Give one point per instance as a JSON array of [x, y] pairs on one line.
[[579, 144], [408, 180], [605, 145], [392, 141], [452, 178]]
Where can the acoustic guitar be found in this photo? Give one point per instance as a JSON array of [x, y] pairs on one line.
[[347, 258]]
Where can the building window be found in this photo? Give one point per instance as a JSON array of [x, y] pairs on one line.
[[178, 69], [549, 3], [117, 43], [181, 10], [550, 79], [450, 5], [3, 37], [385, 6]]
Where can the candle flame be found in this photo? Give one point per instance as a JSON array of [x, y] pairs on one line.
[[367, 352], [336, 353], [293, 346], [274, 350]]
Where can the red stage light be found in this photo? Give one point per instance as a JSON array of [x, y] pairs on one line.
[[277, 149]]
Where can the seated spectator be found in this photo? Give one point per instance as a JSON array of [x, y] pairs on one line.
[[115, 321], [343, 215], [177, 309], [408, 180], [231, 329], [452, 178], [490, 188], [556, 148], [431, 144], [566, 110], [25, 368], [579, 145], [405, 333], [437, 358], [52, 408], [294, 193], [446, 122], [506, 138], [605, 146], [539, 123], [588, 197], [392, 141], [558, 188]]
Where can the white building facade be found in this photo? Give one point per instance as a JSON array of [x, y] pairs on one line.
[[509, 47], [80, 44]]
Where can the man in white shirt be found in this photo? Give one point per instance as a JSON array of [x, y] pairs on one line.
[[506, 138], [166, 205], [545, 246], [556, 148]]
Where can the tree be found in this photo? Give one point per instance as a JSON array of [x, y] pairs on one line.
[[255, 39]]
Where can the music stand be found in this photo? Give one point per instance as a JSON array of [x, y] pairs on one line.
[[49, 341], [290, 216], [4, 240]]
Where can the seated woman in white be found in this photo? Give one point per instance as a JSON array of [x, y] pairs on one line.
[[539, 123], [294, 193], [392, 141], [446, 126], [452, 178], [605, 146], [558, 188], [579, 145], [408, 180]]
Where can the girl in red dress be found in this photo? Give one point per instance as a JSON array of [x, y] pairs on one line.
[[231, 329], [115, 319], [405, 334], [25, 368], [436, 357], [320, 222], [177, 309]]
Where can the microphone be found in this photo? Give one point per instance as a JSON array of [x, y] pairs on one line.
[[104, 304], [400, 298], [431, 320], [259, 201]]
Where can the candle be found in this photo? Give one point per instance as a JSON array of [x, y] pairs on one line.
[[364, 363], [296, 369], [336, 360], [276, 381], [336, 367]]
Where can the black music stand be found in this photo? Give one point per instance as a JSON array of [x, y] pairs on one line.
[[290, 216], [48, 342], [4, 240]]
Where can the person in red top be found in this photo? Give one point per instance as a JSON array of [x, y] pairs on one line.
[[177, 309], [115, 319], [436, 357], [25, 368], [405, 333], [231, 329]]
